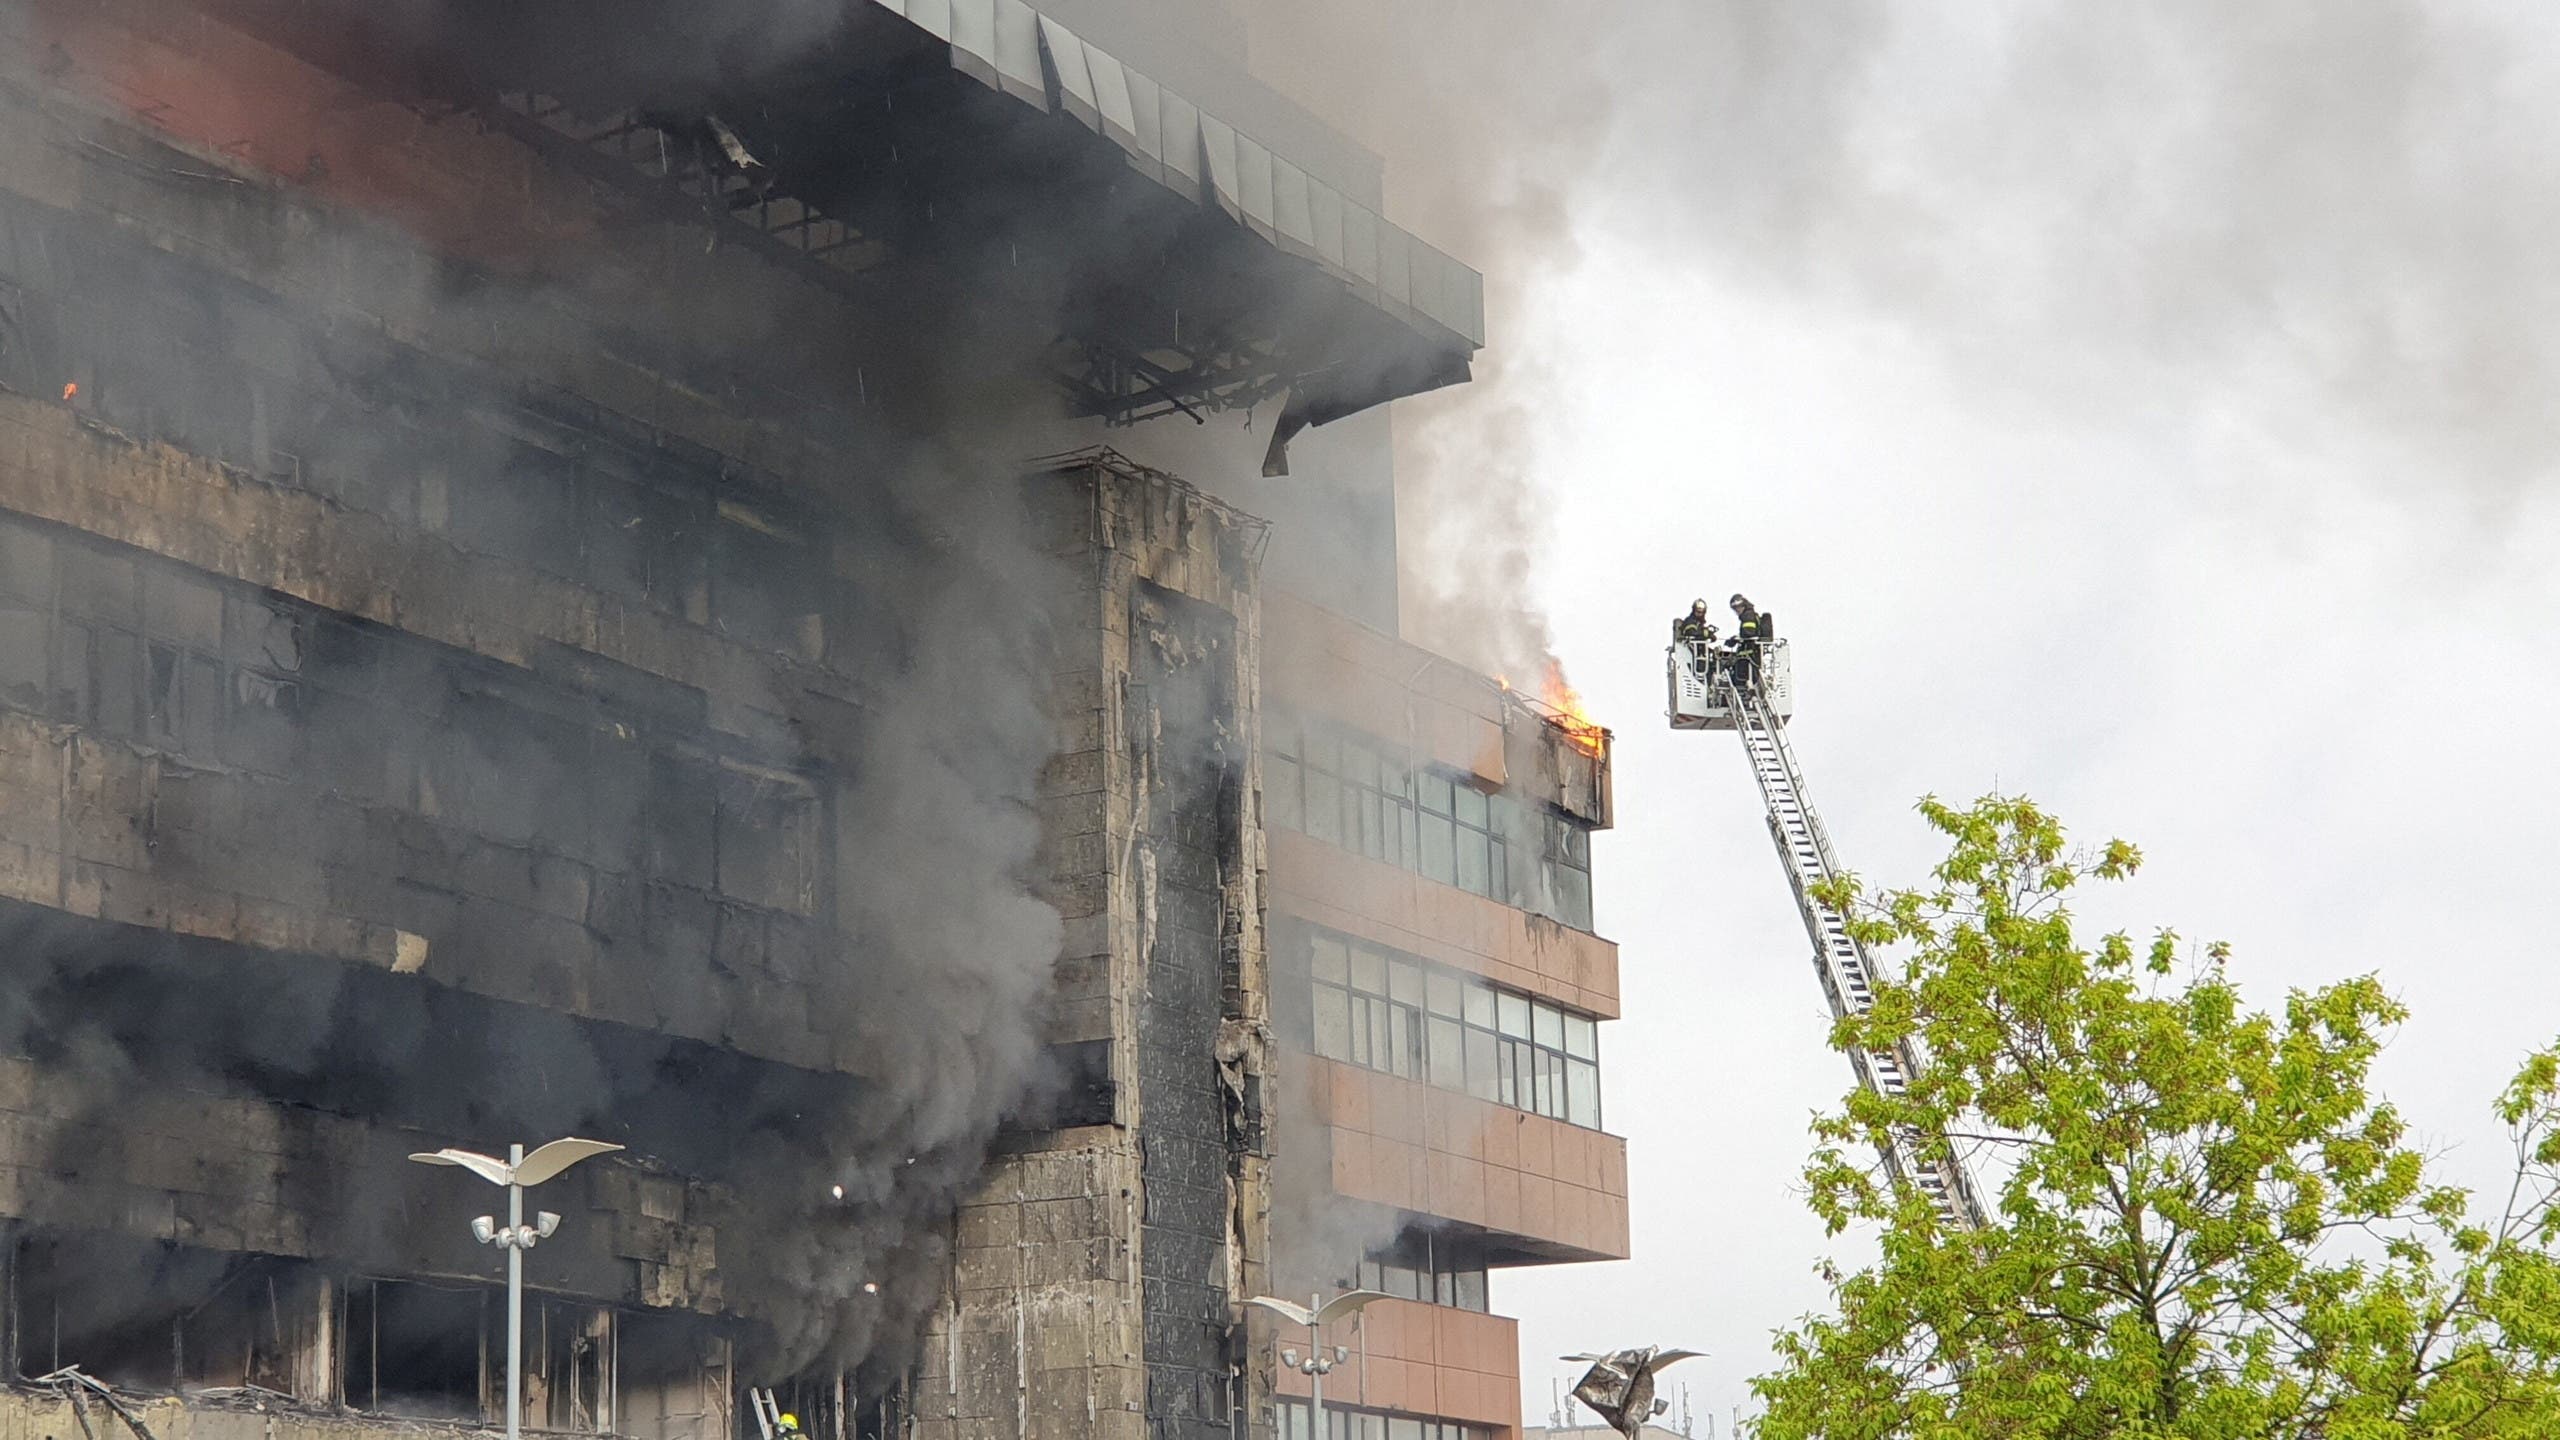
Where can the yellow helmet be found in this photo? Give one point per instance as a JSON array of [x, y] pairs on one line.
[[787, 1421]]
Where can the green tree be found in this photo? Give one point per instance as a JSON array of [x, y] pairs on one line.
[[2205, 1223]]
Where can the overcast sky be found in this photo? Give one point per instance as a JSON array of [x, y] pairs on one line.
[[2149, 413]]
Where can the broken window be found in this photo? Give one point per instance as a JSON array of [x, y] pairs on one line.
[[1432, 1268], [674, 1378], [419, 1350], [141, 1314]]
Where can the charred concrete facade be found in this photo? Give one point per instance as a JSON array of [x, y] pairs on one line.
[[554, 578]]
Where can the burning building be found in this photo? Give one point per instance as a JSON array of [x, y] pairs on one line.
[[528, 607]]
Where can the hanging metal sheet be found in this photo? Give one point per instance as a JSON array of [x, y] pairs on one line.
[[1111, 99], [1075, 81], [1291, 213], [1218, 144], [1253, 185], [973, 41], [1018, 53], [1009, 46]]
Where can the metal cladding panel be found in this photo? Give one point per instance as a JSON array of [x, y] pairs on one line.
[[1253, 186], [1000, 44], [973, 41], [1292, 213], [1146, 115], [1075, 77], [1325, 209], [1112, 102], [1018, 53], [1185, 145], [933, 15], [1218, 143], [1360, 245], [1395, 268]]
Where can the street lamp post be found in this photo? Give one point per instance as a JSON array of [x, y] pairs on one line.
[[519, 1172], [1319, 1363]]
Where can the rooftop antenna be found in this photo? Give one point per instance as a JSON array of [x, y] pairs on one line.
[[1555, 1403]]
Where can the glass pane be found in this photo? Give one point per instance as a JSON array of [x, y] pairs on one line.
[[1448, 1055], [1582, 1093], [1368, 970], [1498, 874], [1439, 849], [1363, 1050], [1549, 1030], [1401, 1427], [1444, 989], [1281, 793], [1479, 1004], [1472, 876], [1405, 1056], [1373, 1427], [1359, 764], [1410, 856], [1444, 1288], [1471, 1291], [1280, 733], [1482, 1082], [1404, 1282], [1369, 1279], [1514, 1011], [1323, 751], [1512, 1081], [1573, 898], [1373, 825], [1394, 779], [1581, 1036], [1433, 788], [1382, 1035], [1324, 807], [1404, 982], [1332, 1023], [1328, 955], [1547, 1101], [1471, 806], [1577, 845]]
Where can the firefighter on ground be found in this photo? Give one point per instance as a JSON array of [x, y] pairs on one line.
[[786, 1425]]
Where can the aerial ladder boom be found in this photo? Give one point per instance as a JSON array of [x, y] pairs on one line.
[[1750, 690]]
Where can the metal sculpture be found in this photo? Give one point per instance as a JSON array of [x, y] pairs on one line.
[[1619, 1386]]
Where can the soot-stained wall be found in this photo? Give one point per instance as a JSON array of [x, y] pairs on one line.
[[1101, 1268], [1189, 775]]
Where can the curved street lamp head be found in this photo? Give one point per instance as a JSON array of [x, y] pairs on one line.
[[543, 1164]]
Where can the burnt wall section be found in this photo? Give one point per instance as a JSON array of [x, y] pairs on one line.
[[1188, 773], [1100, 1268], [557, 639]]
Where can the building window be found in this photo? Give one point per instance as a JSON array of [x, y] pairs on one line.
[[1385, 1010], [1343, 1423], [1357, 792], [1433, 1269]]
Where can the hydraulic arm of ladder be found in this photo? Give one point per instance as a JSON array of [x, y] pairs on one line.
[[1838, 958]]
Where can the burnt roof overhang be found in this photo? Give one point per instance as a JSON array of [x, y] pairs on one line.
[[971, 148]]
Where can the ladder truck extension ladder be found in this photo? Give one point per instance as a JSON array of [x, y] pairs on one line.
[[1710, 696]]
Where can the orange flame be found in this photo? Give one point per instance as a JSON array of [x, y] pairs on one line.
[[70, 392], [1567, 713]]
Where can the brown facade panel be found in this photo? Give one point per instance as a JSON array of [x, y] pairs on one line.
[[1419, 1359], [1392, 1142], [1325, 885]]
